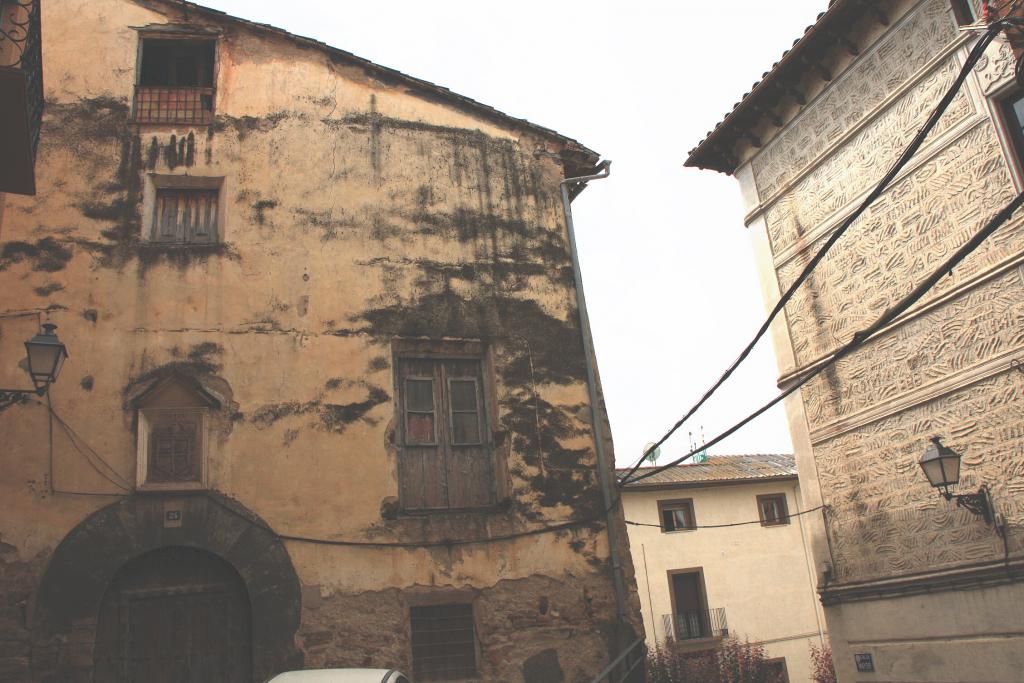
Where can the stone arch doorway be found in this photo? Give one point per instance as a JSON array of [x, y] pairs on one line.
[[93, 557], [175, 615]]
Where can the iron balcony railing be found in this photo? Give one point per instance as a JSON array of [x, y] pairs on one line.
[[21, 88], [699, 623], [174, 104]]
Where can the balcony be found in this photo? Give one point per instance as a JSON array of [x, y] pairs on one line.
[[21, 94], [694, 624]]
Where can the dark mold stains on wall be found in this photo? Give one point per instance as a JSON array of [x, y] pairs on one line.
[[331, 417], [46, 255], [201, 361], [48, 289], [88, 129], [260, 208]]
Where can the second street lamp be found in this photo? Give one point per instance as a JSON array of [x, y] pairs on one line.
[[941, 464]]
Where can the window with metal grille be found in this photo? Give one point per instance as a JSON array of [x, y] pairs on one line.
[[772, 509], [443, 642], [185, 216], [176, 81], [446, 459], [677, 515]]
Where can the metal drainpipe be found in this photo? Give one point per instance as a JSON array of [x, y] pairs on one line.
[[595, 412]]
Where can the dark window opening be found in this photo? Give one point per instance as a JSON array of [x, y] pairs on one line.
[[443, 642], [677, 515], [177, 63], [962, 11], [772, 509], [176, 81], [777, 670], [446, 459], [690, 616], [185, 216]]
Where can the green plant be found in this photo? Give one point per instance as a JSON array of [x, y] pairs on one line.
[[731, 662], [822, 668]]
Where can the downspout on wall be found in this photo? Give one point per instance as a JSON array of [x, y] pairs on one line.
[[604, 170]]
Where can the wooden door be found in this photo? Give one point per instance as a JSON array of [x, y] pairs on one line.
[[176, 615]]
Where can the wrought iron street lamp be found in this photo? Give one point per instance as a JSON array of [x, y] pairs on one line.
[[46, 355], [941, 464]]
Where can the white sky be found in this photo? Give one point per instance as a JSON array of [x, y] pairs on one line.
[[667, 264]]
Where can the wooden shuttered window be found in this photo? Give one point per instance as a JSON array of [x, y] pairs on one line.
[[185, 216], [446, 458], [443, 642]]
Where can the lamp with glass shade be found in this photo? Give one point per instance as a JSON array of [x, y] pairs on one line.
[[941, 465], [46, 355]]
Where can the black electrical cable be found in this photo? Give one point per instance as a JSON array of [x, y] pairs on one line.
[[860, 337], [412, 545], [915, 144], [722, 526]]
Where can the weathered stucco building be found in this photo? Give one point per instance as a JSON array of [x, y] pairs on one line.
[[327, 400], [915, 588], [720, 550]]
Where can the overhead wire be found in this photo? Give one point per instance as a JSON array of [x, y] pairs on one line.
[[443, 543], [975, 54], [860, 337], [722, 526], [112, 475]]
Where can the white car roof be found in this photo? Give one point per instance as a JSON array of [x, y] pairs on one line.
[[338, 676]]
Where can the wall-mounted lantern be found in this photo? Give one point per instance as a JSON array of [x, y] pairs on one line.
[[941, 464], [46, 355]]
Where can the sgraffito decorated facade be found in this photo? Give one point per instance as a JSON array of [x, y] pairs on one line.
[[903, 573]]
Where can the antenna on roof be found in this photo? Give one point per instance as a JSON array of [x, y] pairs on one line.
[[702, 454], [654, 455]]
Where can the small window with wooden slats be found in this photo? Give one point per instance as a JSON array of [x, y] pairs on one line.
[[185, 216], [443, 642]]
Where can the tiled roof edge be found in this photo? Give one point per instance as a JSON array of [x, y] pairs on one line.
[[585, 159], [708, 154]]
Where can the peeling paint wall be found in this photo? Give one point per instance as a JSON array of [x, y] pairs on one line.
[[353, 211]]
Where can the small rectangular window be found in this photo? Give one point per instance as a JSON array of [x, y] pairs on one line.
[[185, 216], [175, 81], [772, 509], [443, 642], [677, 515]]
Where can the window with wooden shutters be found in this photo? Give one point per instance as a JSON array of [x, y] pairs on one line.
[[185, 216], [446, 458], [443, 642]]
